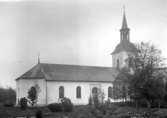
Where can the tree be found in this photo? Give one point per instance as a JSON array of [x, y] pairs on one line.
[[117, 91], [124, 93], [165, 95], [145, 64], [159, 89], [32, 95], [7, 96]]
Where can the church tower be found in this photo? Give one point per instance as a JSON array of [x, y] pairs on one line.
[[125, 48]]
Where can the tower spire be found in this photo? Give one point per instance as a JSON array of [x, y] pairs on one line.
[[124, 31], [124, 22]]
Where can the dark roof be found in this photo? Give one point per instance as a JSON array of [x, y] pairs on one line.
[[34, 72], [125, 46], [60, 72]]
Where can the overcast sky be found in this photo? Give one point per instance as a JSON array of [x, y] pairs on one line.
[[82, 32]]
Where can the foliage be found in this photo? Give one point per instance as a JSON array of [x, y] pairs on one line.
[[120, 91], [55, 107], [96, 101], [66, 104], [7, 96], [90, 101], [32, 95], [86, 111], [8, 104], [38, 114], [100, 108], [146, 83], [101, 95], [96, 113], [165, 96], [124, 104], [23, 103]]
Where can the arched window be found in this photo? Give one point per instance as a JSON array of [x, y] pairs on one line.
[[117, 63], [61, 92], [78, 92], [110, 92]]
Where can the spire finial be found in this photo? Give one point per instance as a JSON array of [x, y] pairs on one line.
[[38, 57], [124, 9]]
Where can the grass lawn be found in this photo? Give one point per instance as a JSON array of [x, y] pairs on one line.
[[85, 112]]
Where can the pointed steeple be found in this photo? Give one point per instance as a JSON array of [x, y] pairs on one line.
[[124, 22], [124, 31]]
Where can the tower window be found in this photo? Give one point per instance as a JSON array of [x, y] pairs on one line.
[[78, 92]]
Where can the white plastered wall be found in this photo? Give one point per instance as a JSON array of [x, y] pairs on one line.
[[23, 86], [70, 91]]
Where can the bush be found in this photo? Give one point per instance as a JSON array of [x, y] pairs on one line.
[[32, 95], [7, 94], [67, 104], [90, 101], [127, 103], [55, 107], [103, 108], [23, 103], [8, 104], [96, 112], [96, 101], [38, 114]]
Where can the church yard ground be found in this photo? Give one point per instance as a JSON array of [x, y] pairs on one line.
[[85, 111]]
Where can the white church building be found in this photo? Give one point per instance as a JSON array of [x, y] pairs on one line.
[[76, 82]]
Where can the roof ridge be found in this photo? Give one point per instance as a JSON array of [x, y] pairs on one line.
[[106, 67]]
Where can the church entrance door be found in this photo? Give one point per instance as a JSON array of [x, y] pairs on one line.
[[94, 92], [95, 95]]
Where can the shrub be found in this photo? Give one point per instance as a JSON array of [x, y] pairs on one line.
[[8, 104], [67, 104], [32, 95], [55, 107], [127, 103], [96, 112], [23, 103], [103, 108], [38, 114], [96, 101], [90, 101], [7, 94], [142, 103]]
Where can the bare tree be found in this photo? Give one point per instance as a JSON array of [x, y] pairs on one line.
[[144, 64]]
